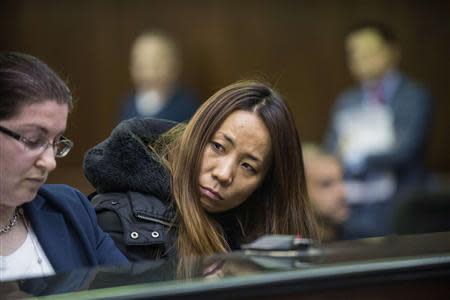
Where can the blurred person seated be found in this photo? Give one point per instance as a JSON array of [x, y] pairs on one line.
[[379, 129], [44, 229], [154, 69], [326, 191], [233, 173]]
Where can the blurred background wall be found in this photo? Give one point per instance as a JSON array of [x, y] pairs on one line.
[[296, 45]]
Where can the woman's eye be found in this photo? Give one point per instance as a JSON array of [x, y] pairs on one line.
[[249, 168], [34, 143], [217, 146]]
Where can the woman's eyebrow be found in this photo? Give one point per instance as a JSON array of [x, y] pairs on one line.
[[39, 128], [34, 127], [227, 137], [231, 141], [254, 158]]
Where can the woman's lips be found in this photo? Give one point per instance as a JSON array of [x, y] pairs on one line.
[[40, 180], [210, 193]]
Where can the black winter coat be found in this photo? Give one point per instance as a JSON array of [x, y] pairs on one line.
[[133, 199]]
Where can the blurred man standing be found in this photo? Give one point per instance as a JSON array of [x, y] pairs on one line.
[[154, 69], [378, 128]]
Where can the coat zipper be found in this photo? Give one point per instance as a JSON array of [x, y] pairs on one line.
[[139, 216]]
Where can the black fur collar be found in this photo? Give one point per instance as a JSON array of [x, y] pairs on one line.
[[123, 162]]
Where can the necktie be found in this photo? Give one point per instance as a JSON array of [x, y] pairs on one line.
[[377, 94]]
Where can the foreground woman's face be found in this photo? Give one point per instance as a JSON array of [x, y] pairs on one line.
[[22, 171], [235, 162]]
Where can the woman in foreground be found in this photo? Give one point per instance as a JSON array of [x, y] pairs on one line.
[[233, 173]]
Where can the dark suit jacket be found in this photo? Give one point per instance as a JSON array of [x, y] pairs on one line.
[[411, 106], [65, 224], [180, 107]]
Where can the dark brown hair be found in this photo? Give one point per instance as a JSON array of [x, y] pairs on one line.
[[25, 79], [280, 204]]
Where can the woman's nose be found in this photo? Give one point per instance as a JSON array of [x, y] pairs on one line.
[[47, 159], [224, 172]]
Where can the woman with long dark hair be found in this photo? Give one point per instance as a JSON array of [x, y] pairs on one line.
[[234, 172]]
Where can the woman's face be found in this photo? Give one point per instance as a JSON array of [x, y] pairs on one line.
[[22, 171], [235, 162]]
